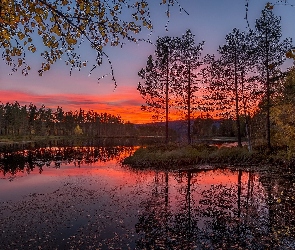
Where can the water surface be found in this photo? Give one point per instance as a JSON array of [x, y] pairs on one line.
[[83, 198]]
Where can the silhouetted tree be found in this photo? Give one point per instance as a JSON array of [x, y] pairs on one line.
[[187, 77], [158, 79], [32, 115], [270, 55], [231, 85]]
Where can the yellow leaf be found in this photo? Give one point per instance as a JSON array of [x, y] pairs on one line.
[[17, 19], [38, 19], [5, 34], [103, 34], [269, 6], [38, 10], [47, 67], [20, 62], [20, 35], [87, 11], [55, 30], [101, 13]]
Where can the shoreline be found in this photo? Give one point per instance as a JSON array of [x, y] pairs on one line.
[[174, 157]]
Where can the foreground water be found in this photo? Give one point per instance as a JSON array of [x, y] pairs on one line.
[[82, 198]]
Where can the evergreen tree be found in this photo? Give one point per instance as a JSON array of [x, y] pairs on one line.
[[188, 79], [158, 79], [270, 55], [232, 87]]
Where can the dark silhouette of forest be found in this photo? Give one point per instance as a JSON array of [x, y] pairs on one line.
[[18, 120]]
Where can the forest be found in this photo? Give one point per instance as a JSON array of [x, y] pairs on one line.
[[17, 120], [245, 82]]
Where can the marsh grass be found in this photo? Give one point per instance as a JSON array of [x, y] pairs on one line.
[[173, 155]]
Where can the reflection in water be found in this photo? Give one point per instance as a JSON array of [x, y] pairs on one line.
[[108, 206], [228, 215], [28, 160]]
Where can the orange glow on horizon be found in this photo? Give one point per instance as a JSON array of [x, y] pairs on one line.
[[126, 104]]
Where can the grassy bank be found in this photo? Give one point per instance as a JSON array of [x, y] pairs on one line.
[[174, 156]]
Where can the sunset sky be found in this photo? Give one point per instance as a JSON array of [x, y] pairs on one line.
[[209, 21]]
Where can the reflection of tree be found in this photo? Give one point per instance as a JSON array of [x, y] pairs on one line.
[[247, 214], [235, 216], [28, 160], [161, 225], [217, 208], [186, 219], [280, 189], [154, 222]]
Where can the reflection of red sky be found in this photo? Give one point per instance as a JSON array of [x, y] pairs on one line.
[[127, 103], [219, 177], [111, 175], [109, 171]]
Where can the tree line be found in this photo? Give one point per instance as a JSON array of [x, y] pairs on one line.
[[18, 120], [240, 82]]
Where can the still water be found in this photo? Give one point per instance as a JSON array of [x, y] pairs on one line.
[[83, 198]]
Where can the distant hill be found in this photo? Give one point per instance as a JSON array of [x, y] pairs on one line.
[[179, 126]]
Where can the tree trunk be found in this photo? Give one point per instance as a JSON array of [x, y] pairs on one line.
[[167, 99], [189, 106], [188, 202], [267, 98], [247, 116], [237, 104]]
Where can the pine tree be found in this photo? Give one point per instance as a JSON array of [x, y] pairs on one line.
[[187, 78], [158, 79], [270, 55]]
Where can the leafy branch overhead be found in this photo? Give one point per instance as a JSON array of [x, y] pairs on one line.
[[64, 25]]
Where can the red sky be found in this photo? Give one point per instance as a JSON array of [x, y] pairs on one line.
[[125, 104]]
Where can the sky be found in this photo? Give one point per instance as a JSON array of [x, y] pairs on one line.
[[209, 21]]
